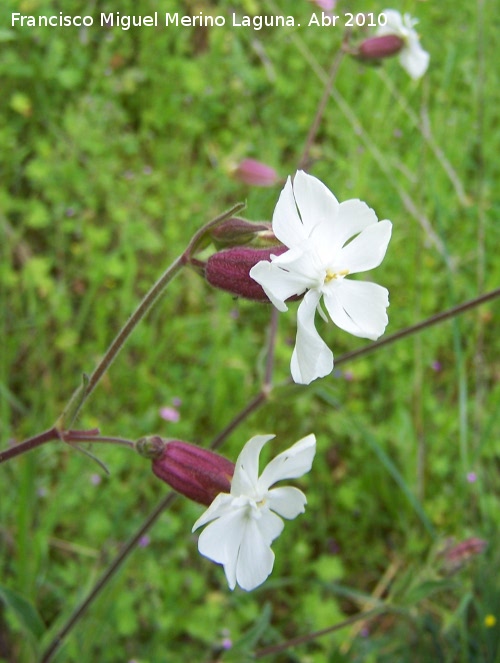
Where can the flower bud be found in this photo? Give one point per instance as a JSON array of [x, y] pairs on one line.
[[325, 5], [195, 472], [229, 270], [151, 446], [238, 232], [255, 173], [377, 48], [458, 555]]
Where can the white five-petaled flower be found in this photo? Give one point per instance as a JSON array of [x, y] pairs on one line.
[[316, 228], [244, 522], [412, 56]]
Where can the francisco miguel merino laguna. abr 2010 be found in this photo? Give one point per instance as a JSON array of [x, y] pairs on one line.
[[126, 21]]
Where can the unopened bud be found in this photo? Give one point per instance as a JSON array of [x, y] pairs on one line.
[[195, 472], [377, 48], [255, 173], [151, 446], [456, 556], [325, 5], [238, 232], [229, 270]]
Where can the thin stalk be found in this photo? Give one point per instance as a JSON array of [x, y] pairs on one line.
[[29, 444], [273, 328], [313, 131], [426, 132], [99, 439], [302, 639], [419, 326], [80, 610], [83, 392], [480, 390], [71, 437], [379, 158], [254, 404], [263, 395], [89, 383]]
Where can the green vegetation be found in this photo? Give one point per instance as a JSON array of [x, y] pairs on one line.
[[115, 147]]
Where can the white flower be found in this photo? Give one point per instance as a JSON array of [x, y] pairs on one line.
[[412, 56], [244, 523], [316, 228]]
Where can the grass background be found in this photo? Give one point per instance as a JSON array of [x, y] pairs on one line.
[[115, 147]]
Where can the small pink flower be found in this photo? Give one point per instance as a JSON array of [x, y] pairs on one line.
[[95, 479], [255, 173], [471, 477], [170, 414], [325, 5]]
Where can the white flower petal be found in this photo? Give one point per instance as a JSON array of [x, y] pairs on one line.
[[221, 541], [394, 24], [358, 307], [287, 225], [414, 59], [315, 201], [241, 526], [221, 505], [288, 502], [329, 237], [311, 357], [367, 250], [270, 525], [287, 275], [246, 471], [354, 216], [275, 282], [255, 557], [290, 464]]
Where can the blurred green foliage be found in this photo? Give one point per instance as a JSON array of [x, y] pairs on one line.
[[115, 146]]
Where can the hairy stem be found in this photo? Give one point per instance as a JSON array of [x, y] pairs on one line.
[[89, 384], [70, 436], [29, 444], [83, 392], [82, 608]]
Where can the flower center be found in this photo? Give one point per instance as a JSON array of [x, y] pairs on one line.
[[329, 276]]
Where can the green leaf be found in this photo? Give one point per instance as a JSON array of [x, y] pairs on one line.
[[243, 647], [427, 588], [25, 612]]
